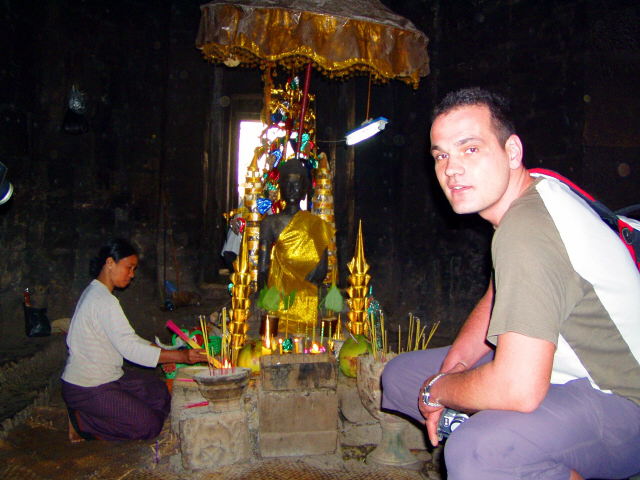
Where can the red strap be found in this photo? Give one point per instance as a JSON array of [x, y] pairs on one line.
[[557, 176]]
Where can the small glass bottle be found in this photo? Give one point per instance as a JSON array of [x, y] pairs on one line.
[[27, 297]]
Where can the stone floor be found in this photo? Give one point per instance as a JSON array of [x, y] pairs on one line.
[[33, 421], [34, 443], [39, 450]]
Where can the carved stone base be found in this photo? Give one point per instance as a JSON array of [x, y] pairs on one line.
[[214, 440], [391, 451]]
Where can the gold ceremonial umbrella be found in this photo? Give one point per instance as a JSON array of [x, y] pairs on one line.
[[339, 38]]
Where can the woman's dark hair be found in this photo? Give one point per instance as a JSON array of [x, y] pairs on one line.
[[117, 249]]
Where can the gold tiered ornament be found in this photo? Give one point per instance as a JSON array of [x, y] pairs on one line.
[[358, 289], [240, 301], [253, 190], [323, 207]]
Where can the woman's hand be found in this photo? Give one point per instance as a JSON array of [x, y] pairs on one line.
[[189, 356], [196, 355]]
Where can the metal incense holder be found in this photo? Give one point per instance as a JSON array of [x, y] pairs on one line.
[[223, 387]]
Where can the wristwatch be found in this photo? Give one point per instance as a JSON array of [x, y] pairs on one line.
[[426, 393]]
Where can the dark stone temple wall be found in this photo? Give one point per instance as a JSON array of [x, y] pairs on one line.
[[153, 164], [571, 70], [137, 171]]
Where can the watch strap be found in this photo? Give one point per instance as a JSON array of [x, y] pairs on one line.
[[426, 393]]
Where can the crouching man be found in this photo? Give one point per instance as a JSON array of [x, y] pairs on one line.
[[548, 362]]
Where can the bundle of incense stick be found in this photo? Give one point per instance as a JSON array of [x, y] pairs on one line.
[[205, 342], [410, 333], [378, 352], [174, 328], [224, 347], [434, 327], [416, 335], [374, 339], [419, 334], [383, 333]]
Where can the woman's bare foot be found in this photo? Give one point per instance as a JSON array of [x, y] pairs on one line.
[[74, 437], [575, 476]]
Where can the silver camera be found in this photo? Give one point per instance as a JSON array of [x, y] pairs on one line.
[[449, 421]]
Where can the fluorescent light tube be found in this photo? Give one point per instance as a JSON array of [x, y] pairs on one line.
[[366, 130]]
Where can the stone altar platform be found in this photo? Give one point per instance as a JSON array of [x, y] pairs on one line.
[[298, 406]]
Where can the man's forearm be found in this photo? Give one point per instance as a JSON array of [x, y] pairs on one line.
[[465, 390], [516, 379]]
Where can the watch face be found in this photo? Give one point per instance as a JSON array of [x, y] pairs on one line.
[[426, 398], [426, 394]]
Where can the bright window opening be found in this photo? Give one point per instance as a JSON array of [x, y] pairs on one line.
[[248, 140]]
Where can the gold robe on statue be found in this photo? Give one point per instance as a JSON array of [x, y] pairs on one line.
[[294, 255]]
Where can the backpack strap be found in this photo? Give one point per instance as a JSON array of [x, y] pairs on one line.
[[627, 229], [628, 210]]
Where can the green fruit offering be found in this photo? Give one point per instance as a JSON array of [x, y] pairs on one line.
[[348, 357]]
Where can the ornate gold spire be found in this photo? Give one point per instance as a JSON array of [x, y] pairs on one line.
[[253, 190], [358, 289], [240, 301], [323, 207], [241, 265]]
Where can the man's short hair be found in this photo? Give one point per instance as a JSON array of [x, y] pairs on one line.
[[497, 104]]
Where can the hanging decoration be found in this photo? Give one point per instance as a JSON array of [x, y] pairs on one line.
[[75, 120]]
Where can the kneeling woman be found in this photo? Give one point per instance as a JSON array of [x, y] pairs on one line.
[[105, 402]]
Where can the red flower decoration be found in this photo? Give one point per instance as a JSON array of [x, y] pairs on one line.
[[274, 175]]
